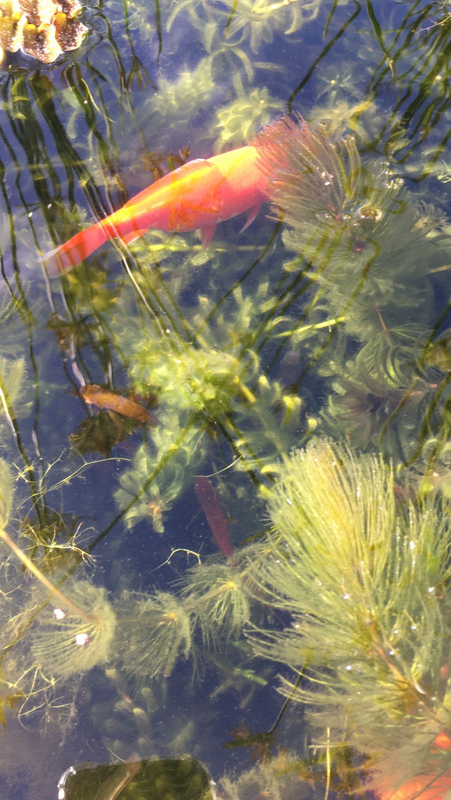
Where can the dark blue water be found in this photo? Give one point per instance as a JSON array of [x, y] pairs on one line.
[[327, 318]]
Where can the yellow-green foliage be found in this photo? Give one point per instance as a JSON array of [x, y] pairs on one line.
[[237, 123], [177, 102], [366, 237], [247, 22], [64, 644], [218, 601], [160, 471], [6, 492], [258, 20], [366, 585], [388, 398], [279, 778], [156, 632], [12, 375]]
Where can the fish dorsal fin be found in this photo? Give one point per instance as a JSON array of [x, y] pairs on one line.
[[189, 168]]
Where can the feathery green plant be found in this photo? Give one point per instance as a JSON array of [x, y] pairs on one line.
[[217, 598], [76, 636], [386, 393], [12, 376], [239, 120], [367, 586], [160, 471], [6, 493], [156, 631], [366, 238]]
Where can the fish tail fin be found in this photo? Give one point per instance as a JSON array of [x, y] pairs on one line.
[[75, 250]]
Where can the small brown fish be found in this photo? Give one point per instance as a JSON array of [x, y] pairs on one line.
[[104, 398]]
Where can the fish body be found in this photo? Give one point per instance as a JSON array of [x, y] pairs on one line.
[[423, 787], [103, 398], [198, 194], [212, 509]]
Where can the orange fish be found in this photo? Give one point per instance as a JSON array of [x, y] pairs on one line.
[[423, 787], [198, 194], [103, 398]]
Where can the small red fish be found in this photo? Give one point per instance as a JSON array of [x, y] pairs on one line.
[[103, 398], [198, 194], [214, 513]]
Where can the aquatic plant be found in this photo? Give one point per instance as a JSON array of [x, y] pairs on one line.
[[323, 183], [219, 604], [281, 426], [281, 777], [77, 634], [258, 20], [12, 378], [156, 631], [335, 84], [352, 221], [358, 117], [386, 392], [415, 58], [365, 584], [211, 605], [160, 471], [6, 493], [239, 120], [250, 22], [176, 103], [434, 466]]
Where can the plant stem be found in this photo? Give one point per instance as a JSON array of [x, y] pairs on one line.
[[45, 581]]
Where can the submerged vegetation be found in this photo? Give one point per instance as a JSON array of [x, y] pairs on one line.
[[275, 407]]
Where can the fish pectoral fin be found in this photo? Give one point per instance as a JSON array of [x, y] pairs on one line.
[[252, 214], [128, 238], [207, 233]]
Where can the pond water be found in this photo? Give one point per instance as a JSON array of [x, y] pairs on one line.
[[225, 465]]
